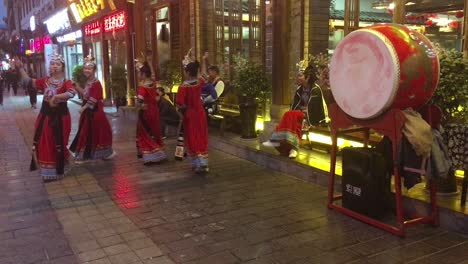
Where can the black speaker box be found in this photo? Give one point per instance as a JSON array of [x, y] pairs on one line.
[[366, 182]]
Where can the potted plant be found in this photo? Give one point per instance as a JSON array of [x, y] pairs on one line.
[[78, 76], [171, 74], [131, 97], [451, 96], [252, 84], [118, 85]]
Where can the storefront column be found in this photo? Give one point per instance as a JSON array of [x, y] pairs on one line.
[[317, 25], [281, 58], [139, 27], [351, 16], [106, 71], [399, 12], [130, 40], [465, 30]]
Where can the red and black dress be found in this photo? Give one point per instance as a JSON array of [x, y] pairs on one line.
[[149, 141], [94, 137], [194, 122], [52, 129]]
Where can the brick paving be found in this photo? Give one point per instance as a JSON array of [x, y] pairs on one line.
[[29, 229], [123, 212]]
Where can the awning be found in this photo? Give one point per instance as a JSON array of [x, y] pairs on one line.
[[365, 16]]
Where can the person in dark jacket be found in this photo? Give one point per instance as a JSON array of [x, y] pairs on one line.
[[308, 109], [167, 112]]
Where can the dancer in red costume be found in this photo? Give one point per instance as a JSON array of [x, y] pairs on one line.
[[190, 104], [94, 137], [53, 124], [149, 141]]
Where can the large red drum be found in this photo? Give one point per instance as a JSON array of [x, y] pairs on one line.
[[383, 66]]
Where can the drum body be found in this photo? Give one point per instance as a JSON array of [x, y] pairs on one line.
[[383, 66]]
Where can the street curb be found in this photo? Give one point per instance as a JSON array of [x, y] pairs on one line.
[[449, 219]]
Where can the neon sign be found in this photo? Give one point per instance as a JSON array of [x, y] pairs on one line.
[[115, 22], [92, 29], [85, 8], [70, 36], [58, 22]]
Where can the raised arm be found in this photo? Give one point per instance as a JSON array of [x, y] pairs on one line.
[[23, 75], [204, 65]]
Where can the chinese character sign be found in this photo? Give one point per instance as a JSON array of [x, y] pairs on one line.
[[115, 22], [92, 29], [353, 190], [86, 8]]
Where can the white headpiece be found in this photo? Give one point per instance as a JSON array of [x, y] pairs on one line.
[[188, 58]]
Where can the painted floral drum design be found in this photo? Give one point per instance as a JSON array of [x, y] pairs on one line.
[[383, 66]]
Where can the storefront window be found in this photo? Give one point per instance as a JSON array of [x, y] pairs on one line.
[[237, 26], [97, 51], [163, 30], [73, 54]]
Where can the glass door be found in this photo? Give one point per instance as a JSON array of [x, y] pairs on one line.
[[163, 32]]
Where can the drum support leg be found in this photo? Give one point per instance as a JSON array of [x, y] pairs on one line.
[[390, 125]]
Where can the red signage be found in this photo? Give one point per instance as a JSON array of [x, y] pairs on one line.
[[38, 45], [46, 40], [92, 29], [115, 21]]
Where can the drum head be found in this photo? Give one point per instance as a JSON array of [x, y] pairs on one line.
[[364, 74]]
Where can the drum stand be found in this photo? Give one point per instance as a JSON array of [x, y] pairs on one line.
[[390, 124]]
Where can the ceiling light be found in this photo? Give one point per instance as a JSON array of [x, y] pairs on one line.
[[381, 4]]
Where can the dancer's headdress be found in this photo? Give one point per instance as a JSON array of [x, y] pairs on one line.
[[303, 64], [140, 61], [56, 56], [188, 58], [89, 61]]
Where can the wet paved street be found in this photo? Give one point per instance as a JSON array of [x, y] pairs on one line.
[[123, 212]]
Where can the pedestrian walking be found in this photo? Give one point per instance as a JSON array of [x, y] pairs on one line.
[[2, 84], [189, 101], [93, 140], [53, 124], [29, 87], [149, 142]]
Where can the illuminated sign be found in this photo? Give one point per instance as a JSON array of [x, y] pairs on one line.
[[38, 45], [32, 23], [31, 45], [46, 40], [115, 21], [85, 8], [70, 36], [58, 22], [92, 29]]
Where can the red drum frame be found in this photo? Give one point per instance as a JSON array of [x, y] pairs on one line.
[[389, 124]]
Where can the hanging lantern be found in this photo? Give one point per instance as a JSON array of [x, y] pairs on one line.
[[459, 14], [454, 24]]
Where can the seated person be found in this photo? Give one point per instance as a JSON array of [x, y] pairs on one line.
[[162, 93], [218, 84], [308, 109], [208, 93], [168, 114]]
